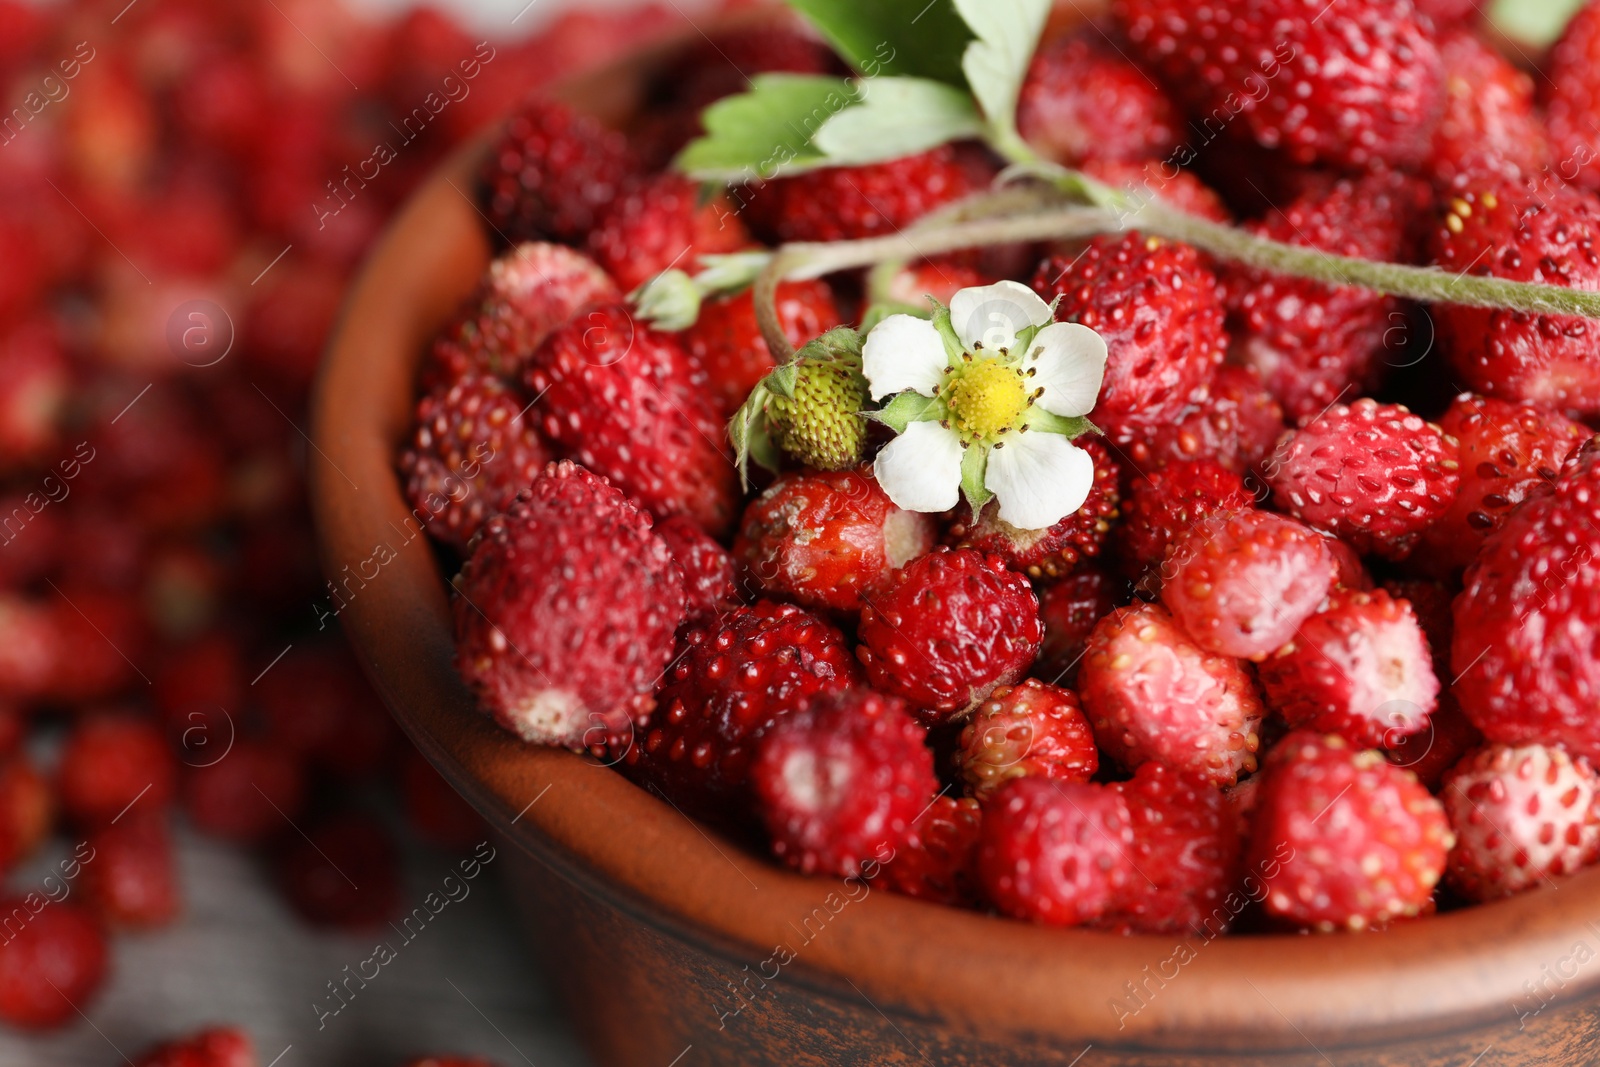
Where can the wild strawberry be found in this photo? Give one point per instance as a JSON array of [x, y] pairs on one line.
[[1506, 450], [527, 292], [434, 810], [551, 173], [1029, 729], [1444, 13], [1069, 610], [736, 677], [1153, 694], [1522, 816], [1242, 584], [52, 961], [1158, 308], [1360, 668], [1165, 503], [1352, 86], [1160, 181], [823, 538], [1052, 552], [1342, 838], [1499, 227], [132, 881], [474, 449], [565, 612], [218, 1047], [1233, 420], [247, 795], [1529, 616], [1313, 343], [317, 702], [288, 319], [27, 810], [33, 394], [726, 345], [1489, 111], [845, 203], [709, 573], [1083, 100], [1572, 97], [939, 862], [110, 762], [1372, 474], [662, 222], [1058, 853], [619, 398], [344, 873], [940, 277], [947, 629], [1186, 855], [841, 781]]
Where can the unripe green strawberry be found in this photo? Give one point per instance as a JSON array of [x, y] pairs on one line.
[[820, 426]]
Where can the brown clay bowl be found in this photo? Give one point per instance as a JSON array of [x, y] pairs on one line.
[[666, 941]]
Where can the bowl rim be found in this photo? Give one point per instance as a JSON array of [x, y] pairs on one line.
[[973, 973]]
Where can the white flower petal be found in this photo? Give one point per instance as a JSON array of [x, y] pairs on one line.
[[1039, 479], [903, 352], [1070, 365], [991, 315], [921, 469]]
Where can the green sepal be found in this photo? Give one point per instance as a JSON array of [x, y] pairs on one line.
[[906, 408], [670, 300], [974, 466], [781, 380], [730, 272], [954, 350], [1038, 420], [751, 435]]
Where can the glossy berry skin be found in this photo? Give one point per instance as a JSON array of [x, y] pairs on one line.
[[1498, 227], [710, 583], [726, 346], [620, 398], [841, 782], [1242, 584], [845, 203], [132, 881], [1027, 730], [1360, 667], [1159, 310], [565, 613], [1489, 115], [1522, 816], [344, 874], [1055, 853], [1082, 100], [661, 222], [1164, 504], [56, 960], [1233, 420], [945, 630], [736, 676], [824, 538], [1187, 850], [1069, 609], [247, 795], [551, 172], [1506, 450], [1372, 474], [218, 1047], [1152, 694], [1342, 838], [110, 761], [1163, 181], [939, 864], [1572, 97], [1349, 87], [472, 452], [1050, 553], [1528, 617]]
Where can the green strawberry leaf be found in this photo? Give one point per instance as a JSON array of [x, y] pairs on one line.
[[898, 117], [921, 38], [974, 466], [767, 130], [906, 408], [1007, 33]]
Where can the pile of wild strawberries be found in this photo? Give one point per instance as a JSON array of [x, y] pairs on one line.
[[1304, 660], [185, 188]]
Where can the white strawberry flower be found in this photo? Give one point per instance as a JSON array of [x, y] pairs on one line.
[[986, 399]]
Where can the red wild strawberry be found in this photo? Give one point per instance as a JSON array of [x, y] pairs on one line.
[[247, 795], [1160, 181], [947, 629], [1052, 552], [1522, 816], [551, 173], [709, 584], [845, 203], [823, 539], [219, 1047], [564, 615], [1503, 229], [940, 277], [662, 222], [473, 451], [1348, 570], [112, 761], [1186, 853], [1572, 98], [318, 703], [841, 781], [726, 345], [1444, 13], [1372, 474], [33, 393], [27, 811], [1233, 421], [1164, 504], [52, 961], [344, 874], [1506, 450], [1056, 853], [736, 677], [939, 863], [1343, 839], [132, 881], [1159, 310], [1027, 730], [1360, 668], [1083, 100], [620, 399], [1489, 111], [1429, 753], [1242, 584], [1069, 610], [1153, 694], [1351, 86]]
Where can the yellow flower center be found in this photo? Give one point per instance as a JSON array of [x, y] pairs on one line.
[[986, 396]]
